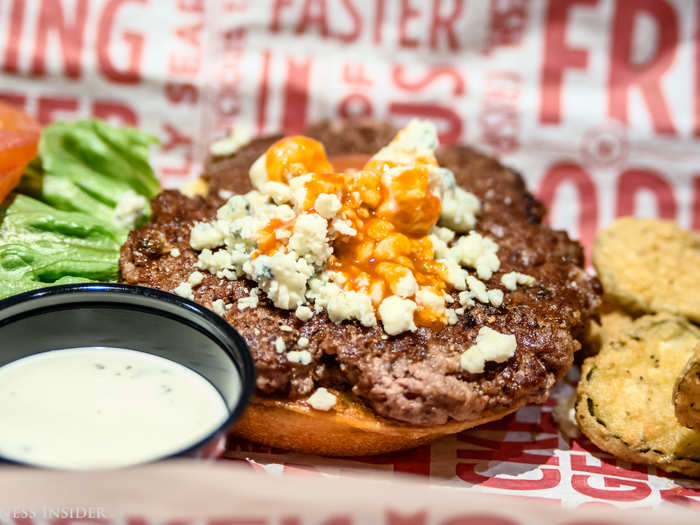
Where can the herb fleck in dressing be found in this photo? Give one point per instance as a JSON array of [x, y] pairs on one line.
[[85, 408]]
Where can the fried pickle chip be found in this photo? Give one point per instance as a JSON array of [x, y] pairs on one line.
[[650, 265], [686, 393], [611, 322], [624, 401]]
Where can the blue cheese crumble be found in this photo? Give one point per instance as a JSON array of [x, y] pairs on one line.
[[490, 346], [295, 276]]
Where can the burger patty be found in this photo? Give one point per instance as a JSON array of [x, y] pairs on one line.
[[413, 377]]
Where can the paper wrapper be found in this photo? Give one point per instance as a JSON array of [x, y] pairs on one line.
[[596, 102], [194, 493]]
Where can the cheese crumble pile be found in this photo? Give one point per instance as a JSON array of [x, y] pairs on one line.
[[381, 244]]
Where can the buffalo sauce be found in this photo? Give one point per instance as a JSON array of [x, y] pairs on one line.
[[292, 156], [391, 215], [269, 240]]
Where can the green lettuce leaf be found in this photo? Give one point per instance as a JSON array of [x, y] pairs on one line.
[[64, 225], [89, 165]]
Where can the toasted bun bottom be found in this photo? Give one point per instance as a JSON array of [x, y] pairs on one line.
[[349, 429]]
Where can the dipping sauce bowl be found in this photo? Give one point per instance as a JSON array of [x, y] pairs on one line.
[[110, 375]]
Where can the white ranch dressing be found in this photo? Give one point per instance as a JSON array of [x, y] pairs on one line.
[[96, 407]]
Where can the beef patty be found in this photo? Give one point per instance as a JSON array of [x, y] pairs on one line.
[[412, 377]]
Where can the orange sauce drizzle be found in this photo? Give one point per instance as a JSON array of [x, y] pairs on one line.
[[268, 243], [392, 222], [292, 156], [321, 183]]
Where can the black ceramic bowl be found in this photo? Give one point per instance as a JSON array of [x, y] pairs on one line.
[[137, 318]]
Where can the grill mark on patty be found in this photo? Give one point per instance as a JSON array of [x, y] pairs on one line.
[[412, 377]]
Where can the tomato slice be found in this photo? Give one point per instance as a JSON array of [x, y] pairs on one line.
[[9, 180], [19, 140]]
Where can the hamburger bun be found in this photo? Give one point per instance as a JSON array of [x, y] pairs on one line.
[[350, 429]]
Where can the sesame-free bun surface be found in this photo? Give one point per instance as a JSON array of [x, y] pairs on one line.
[[349, 429]]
